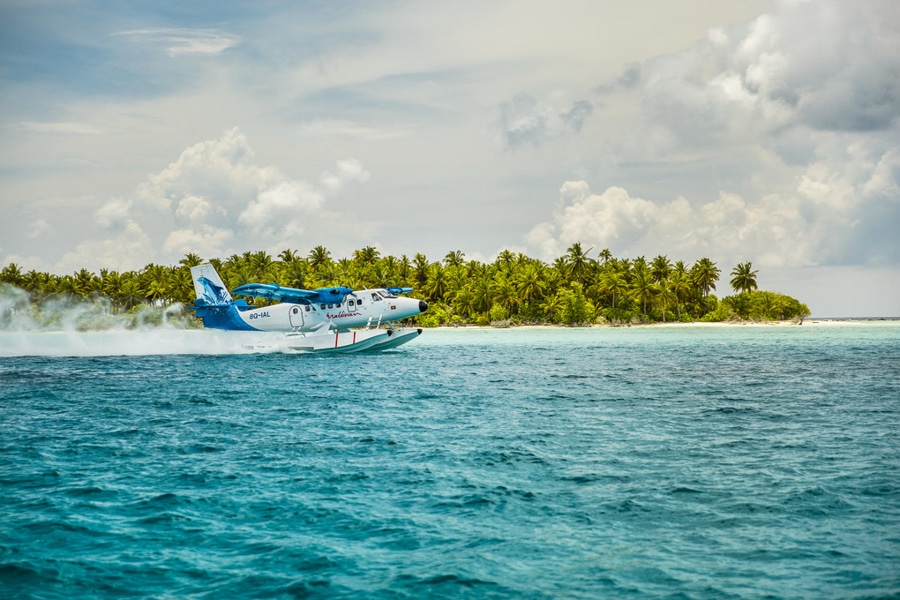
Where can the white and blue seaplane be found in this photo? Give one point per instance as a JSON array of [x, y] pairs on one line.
[[334, 319]]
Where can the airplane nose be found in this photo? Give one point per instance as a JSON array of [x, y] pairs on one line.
[[423, 306]]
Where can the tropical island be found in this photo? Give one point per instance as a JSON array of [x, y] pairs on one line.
[[514, 289]]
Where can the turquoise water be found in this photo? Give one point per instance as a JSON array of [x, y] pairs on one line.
[[736, 462]]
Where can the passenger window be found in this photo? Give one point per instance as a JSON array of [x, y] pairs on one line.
[[307, 308], [322, 306], [359, 301]]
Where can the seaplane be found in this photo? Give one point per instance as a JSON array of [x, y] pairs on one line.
[[325, 320]]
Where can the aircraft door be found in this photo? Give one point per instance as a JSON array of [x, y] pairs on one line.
[[296, 316]]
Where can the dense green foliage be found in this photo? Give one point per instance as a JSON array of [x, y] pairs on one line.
[[514, 289]]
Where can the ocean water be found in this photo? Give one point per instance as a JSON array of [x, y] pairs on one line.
[[701, 462]]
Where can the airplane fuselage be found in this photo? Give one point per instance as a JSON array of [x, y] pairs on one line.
[[365, 308]]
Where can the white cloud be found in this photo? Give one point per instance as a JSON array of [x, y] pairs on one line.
[[181, 41], [341, 128], [348, 171], [773, 231], [214, 193], [127, 250], [220, 169], [826, 65], [794, 114], [280, 205], [525, 121], [114, 211], [207, 241], [193, 208], [38, 228]]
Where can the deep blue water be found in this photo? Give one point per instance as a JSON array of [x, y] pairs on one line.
[[674, 463]]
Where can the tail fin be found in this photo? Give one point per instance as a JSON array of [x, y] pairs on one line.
[[210, 289]]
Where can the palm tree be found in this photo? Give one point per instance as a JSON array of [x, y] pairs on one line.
[[505, 258], [420, 266], [464, 302], [86, 283], [484, 293], [35, 282], [111, 287], [605, 255], [660, 269], [436, 285], [552, 306], [578, 261], [643, 287], [287, 256], [613, 283], [404, 266], [366, 256], [681, 285], [455, 258], [319, 257], [190, 260], [665, 296], [12, 274], [262, 267], [181, 286], [130, 294], [561, 266], [154, 282], [705, 274], [743, 278], [294, 273], [505, 294], [530, 283]]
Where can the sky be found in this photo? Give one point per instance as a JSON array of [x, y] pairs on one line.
[[749, 130]]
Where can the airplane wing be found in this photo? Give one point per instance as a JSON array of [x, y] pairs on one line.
[[271, 291], [399, 290]]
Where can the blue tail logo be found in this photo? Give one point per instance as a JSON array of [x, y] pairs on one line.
[[212, 293]]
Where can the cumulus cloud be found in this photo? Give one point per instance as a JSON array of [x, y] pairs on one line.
[[126, 250], [206, 241], [629, 78], [280, 204], [525, 121], [114, 211], [827, 66], [193, 208], [347, 171], [213, 196], [794, 114], [820, 222], [220, 171]]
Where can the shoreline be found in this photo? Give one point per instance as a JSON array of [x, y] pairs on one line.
[[815, 322]]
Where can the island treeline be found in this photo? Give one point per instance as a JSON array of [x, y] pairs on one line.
[[576, 288]]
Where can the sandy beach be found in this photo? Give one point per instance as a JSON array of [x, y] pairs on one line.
[[813, 322]]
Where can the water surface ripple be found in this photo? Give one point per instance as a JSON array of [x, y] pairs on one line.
[[710, 463]]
